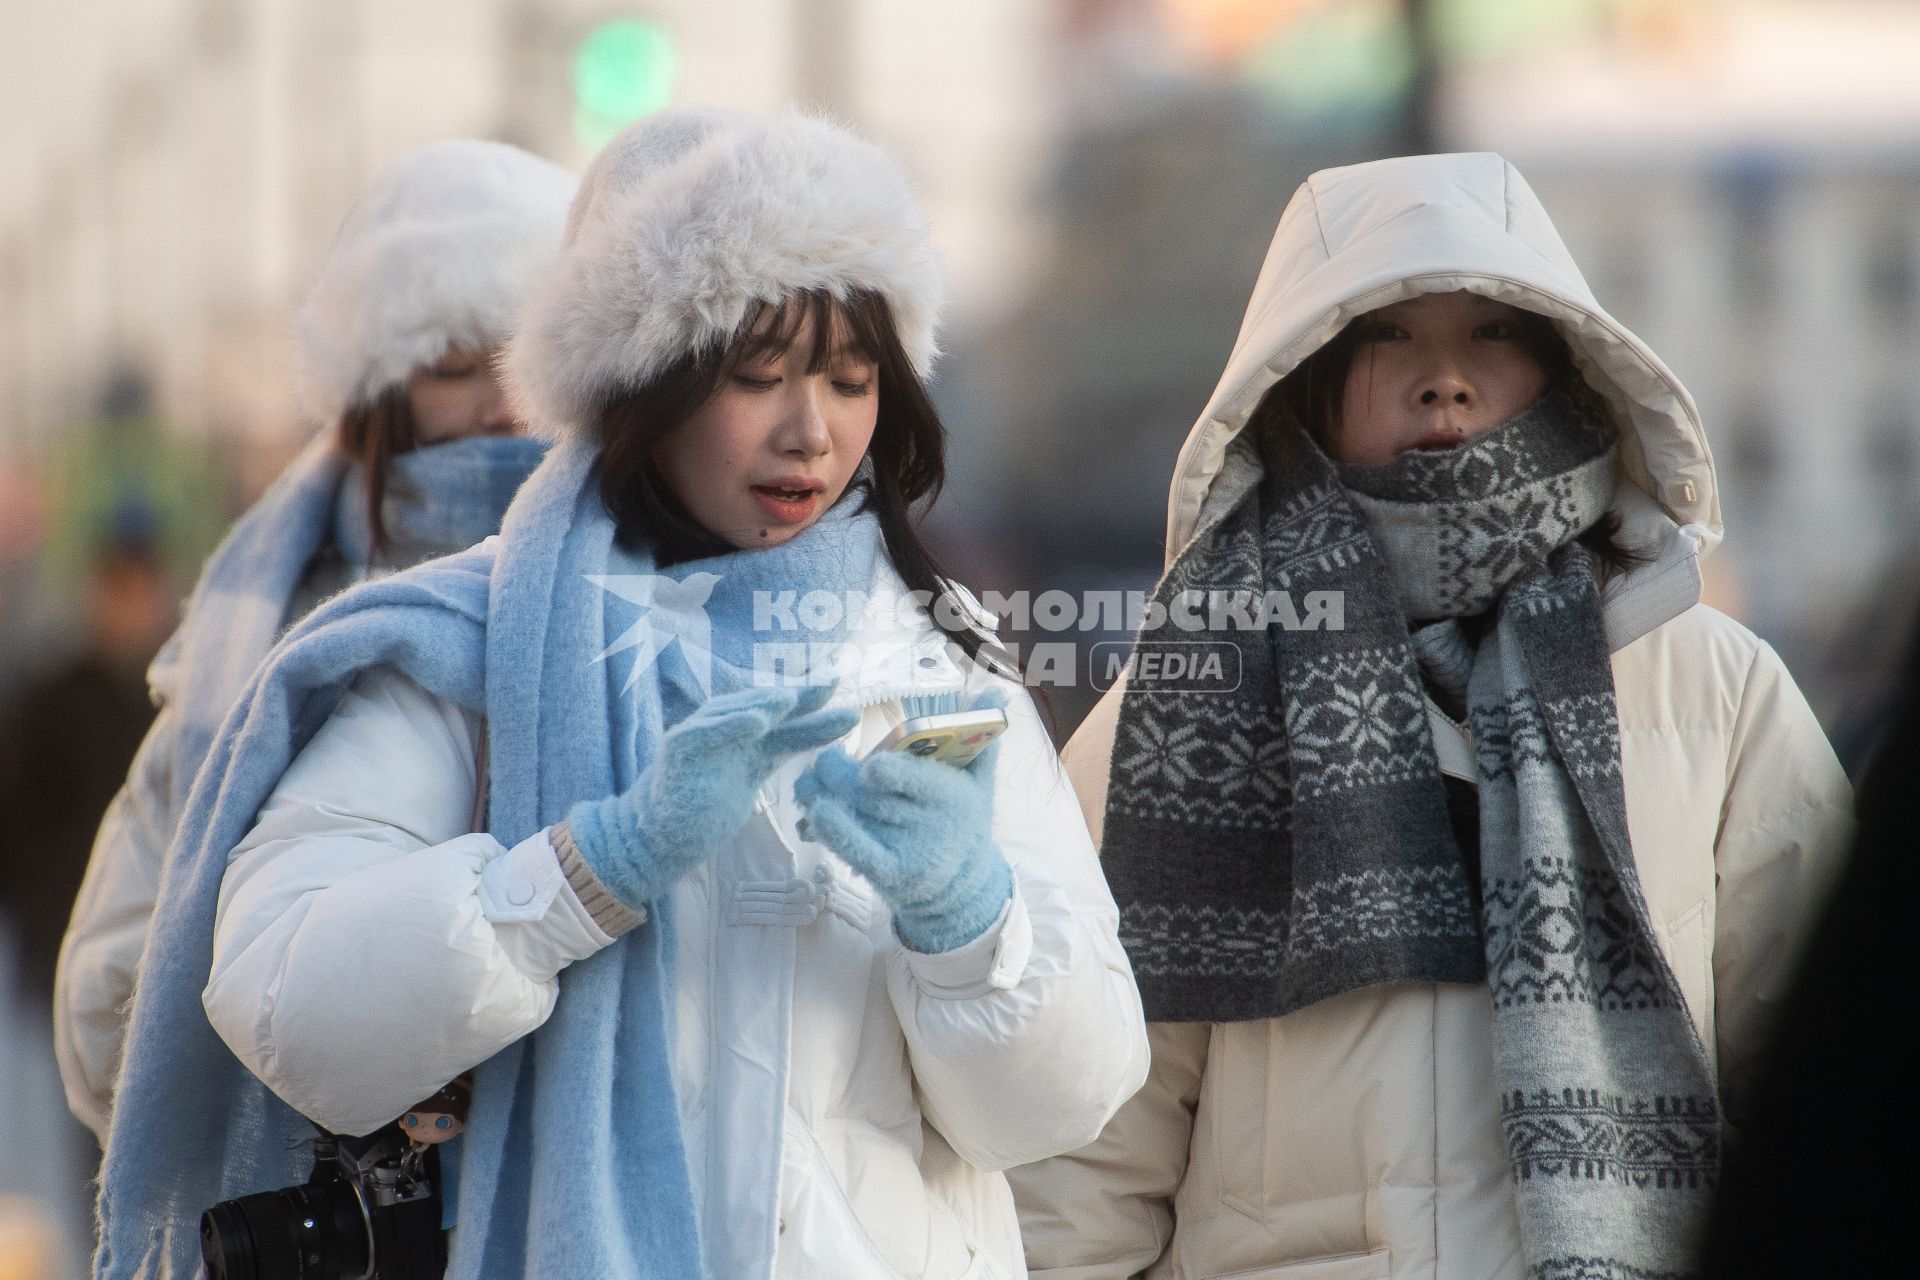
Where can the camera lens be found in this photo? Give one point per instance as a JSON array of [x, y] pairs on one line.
[[311, 1232]]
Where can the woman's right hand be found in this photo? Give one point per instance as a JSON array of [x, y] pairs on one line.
[[698, 791]]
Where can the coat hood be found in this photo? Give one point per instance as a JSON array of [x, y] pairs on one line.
[[1360, 237], [436, 253], [689, 218]]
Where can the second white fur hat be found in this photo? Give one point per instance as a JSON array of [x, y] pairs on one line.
[[437, 252], [687, 220]]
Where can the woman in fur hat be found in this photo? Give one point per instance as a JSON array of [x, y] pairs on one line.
[[741, 996], [419, 458], [1459, 916]]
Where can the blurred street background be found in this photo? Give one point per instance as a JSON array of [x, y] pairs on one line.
[[1739, 180]]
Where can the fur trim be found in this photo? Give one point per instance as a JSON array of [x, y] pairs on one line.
[[636, 154], [689, 219], [436, 253]]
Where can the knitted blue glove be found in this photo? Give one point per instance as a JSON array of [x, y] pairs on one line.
[[921, 832], [698, 791]]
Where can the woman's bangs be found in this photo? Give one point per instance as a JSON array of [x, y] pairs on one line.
[[839, 329]]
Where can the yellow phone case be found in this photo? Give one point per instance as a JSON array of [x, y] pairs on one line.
[[954, 739]]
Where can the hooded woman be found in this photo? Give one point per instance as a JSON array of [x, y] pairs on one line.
[[420, 457], [741, 995], [1459, 902]]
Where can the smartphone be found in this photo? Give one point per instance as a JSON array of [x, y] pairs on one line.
[[955, 738]]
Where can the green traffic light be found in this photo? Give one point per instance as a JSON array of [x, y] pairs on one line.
[[623, 70]]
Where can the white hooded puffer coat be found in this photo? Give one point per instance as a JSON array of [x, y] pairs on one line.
[[911, 1080], [1359, 1139]]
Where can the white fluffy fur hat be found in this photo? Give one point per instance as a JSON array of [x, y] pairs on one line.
[[436, 253], [690, 217]]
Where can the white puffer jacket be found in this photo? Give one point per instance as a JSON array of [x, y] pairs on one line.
[[368, 948], [1359, 1139]]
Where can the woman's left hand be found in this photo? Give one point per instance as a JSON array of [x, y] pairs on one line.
[[921, 832]]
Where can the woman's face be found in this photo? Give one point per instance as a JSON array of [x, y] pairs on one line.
[[777, 444], [457, 396], [1433, 372]]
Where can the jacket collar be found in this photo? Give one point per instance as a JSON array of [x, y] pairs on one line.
[[894, 651], [1664, 585]]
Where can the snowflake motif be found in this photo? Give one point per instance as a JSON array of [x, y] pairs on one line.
[[1252, 767], [1161, 756], [1362, 718], [1614, 944], [1504, 538]]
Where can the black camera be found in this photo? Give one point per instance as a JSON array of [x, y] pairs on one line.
[[371, 1211]]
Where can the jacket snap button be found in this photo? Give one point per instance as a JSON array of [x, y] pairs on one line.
[[520, 893], [823, 873], [929, 661]]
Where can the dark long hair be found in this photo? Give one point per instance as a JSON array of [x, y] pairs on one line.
[[1314, 394], [374, 433], [908, 451]]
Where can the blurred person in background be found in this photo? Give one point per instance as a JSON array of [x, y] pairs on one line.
[[1459, 924], [66, 737], [127, 459], [419, 458], [67, 741], [739, 998]]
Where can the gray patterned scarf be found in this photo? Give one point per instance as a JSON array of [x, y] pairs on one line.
[[1277, 828]]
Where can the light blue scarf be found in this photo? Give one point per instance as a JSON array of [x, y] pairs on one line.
[[573, 1162], [440, 500], [834, 556]]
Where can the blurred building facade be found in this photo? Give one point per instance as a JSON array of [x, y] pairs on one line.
[[1737, 177], [172, 170]]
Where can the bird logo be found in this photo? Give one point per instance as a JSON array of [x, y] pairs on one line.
[[672, 610]]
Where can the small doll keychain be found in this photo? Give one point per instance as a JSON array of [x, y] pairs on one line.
[[438, 1119]]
